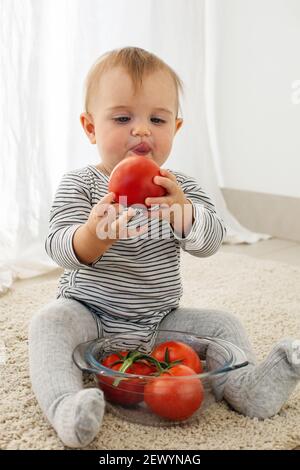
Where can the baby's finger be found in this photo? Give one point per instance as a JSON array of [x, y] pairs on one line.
[[101, 207], [164, 200], [168, 174], [113, 210], [126, 216], [163, 212], [107, 198], [120, 224], [109, 225], [119, 207]]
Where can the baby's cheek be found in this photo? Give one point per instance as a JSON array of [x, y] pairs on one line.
[[166, 146], [111, 151]]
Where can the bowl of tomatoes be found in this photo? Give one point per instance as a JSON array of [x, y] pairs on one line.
[[169, 384]]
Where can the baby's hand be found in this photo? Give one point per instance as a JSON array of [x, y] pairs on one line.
[[108, 220], [174, 206]]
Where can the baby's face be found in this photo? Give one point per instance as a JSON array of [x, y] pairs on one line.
[[120, 120]]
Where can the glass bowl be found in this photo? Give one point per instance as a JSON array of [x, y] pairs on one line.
[[138, 398]]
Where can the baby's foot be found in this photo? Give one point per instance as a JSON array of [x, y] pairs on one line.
[[78, 416], [262, 390]]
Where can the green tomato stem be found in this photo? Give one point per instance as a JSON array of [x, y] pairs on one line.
[[134, 356]]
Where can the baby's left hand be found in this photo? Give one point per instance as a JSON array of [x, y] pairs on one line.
[[174, 206]]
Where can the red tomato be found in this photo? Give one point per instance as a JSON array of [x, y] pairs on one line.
[[108, 361], [133, 178], [128, 391], [178, 351], [173, 398]]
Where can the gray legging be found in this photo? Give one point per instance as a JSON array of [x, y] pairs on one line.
[[255, 390]]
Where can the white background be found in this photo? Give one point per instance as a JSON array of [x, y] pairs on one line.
[[257, 122]]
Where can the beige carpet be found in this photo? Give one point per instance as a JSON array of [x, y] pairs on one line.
[[264, 294]]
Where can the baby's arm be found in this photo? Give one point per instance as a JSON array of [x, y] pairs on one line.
[[93, 238], [208, 229], [72, 240], [190, 212]]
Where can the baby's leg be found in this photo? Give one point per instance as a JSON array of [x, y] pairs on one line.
[[74, 412], [255, 390]]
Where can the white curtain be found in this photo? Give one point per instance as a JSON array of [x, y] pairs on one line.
[[47, 47]]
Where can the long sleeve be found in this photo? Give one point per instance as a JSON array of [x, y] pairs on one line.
[[138, 279], [70, 209], [208, 229]]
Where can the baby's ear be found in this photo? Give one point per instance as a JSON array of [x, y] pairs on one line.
[[178, 124], [88, 125]]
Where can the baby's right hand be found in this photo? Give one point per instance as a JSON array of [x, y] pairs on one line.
[[108, 220]]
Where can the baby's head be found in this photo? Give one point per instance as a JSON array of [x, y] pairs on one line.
[[131, 96]]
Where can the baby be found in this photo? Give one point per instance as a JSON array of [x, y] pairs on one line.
[[131, 281]]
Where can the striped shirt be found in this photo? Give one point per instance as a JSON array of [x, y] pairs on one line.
[[137, 281]]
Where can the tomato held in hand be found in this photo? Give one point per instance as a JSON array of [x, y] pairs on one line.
[[127, 391], [175, 350], [173, 397], [132, 178]]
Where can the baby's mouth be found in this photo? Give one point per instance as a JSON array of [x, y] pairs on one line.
[[141, 149]]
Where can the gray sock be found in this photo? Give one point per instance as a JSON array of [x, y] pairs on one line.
[[77, 417], [261, 391], [255, 390], [74, 412]]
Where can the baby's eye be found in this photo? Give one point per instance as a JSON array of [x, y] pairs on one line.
[[157, 120], [122, 119]]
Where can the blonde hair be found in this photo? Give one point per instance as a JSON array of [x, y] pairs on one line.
[[137, 62]]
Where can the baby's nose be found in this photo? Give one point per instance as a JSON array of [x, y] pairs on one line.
[[141, 130]]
